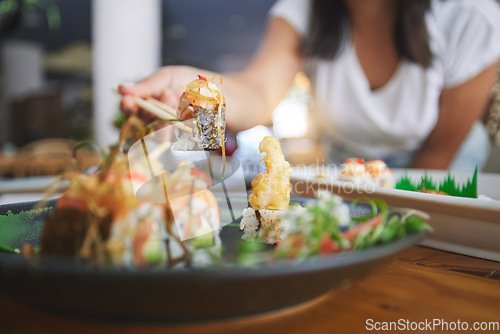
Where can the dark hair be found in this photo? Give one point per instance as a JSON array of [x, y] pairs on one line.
[[329, 22]]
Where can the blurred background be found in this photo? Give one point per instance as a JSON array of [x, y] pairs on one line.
[[60, 60]]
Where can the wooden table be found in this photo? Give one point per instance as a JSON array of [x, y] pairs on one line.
[[420, 284]]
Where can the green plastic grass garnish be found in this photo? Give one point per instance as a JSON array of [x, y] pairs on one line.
[[448, 185]]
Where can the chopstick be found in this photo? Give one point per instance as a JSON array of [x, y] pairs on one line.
[[163, 106], [161, 113], [157, 111], [161, 110]]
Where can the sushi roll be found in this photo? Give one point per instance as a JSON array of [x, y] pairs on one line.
[[353, 170], [373, 172], [196, 213], [380, 174], [99, 220], [203, 101], [270, 196]]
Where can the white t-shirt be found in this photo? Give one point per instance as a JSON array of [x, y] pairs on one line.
[[464, 36]]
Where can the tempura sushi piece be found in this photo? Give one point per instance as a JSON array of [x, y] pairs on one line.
[[380, 174], [203, 101], [270, 196]]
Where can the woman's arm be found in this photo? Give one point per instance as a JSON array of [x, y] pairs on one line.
[[251, 94], [459, 108]]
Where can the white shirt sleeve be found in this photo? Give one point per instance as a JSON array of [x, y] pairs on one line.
[[471, 33], [295, 12]]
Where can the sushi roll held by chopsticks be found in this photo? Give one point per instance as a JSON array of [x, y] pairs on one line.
[[203, 101]]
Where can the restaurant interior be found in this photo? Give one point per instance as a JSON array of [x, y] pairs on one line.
[[61, 64]]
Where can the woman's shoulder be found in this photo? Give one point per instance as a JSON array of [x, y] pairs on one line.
[[295, 12], [464, 36], [452, 13]]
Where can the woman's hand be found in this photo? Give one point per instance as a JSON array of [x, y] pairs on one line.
[[164, 85]]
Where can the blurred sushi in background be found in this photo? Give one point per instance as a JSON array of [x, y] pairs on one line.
[[380, 174], [354, 170], [373, 172]]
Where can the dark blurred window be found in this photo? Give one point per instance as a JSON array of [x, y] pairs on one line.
[[220, 35]]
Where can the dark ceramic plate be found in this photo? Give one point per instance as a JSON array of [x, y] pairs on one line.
[[57, 285]]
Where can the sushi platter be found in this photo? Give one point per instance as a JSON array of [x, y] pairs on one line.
[[97, 251], [62, 286]]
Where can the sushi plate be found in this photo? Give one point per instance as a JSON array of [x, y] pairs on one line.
[[59, 285], [467, 226]]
